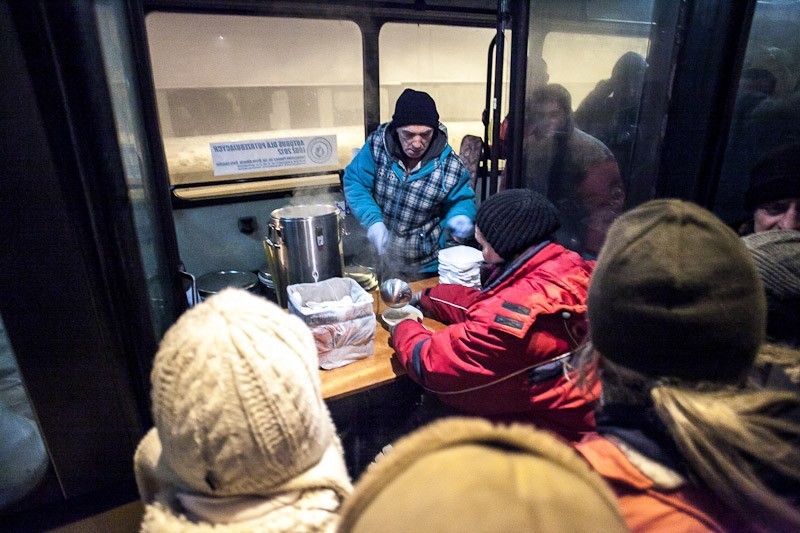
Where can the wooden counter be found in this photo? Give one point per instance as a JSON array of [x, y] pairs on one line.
[[381, 368]]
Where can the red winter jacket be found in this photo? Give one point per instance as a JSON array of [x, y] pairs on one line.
[[484, 363]]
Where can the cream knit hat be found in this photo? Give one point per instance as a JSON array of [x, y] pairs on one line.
[[237, 398]]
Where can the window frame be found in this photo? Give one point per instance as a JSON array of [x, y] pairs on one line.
[[369, 20]]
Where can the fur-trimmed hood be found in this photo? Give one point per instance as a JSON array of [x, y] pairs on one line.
[[308, 503], [467, 474]]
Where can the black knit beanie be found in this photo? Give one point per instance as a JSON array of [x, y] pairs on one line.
[[676, 294], [775, 177], [415, 108], [515, 219]]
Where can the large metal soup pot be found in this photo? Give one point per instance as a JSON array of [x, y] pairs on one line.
[[303, 245]]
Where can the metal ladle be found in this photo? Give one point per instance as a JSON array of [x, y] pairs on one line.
[[395, 293]]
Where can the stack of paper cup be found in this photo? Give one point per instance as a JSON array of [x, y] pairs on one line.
[[460, 265]]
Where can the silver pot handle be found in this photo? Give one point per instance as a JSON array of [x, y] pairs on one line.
[[273, 237]]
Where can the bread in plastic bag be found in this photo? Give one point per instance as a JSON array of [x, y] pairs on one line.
[[340, 315]]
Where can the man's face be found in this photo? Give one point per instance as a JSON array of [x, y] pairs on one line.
[[602, 197], [549, 118], [414, 140], [489, 255], [779, 214]]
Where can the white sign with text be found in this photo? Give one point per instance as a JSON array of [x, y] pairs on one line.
[[272, 154]]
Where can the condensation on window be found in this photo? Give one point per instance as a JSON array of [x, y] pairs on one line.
[[578, 61], [223, 78], [447, 62]]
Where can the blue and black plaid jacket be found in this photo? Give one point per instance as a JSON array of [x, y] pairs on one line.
[[416, 205]]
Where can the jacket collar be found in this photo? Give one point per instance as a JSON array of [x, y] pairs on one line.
[[434, 151], [507, 270], [641, 429]]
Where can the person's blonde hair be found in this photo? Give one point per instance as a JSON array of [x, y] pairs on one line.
[[726, 434]]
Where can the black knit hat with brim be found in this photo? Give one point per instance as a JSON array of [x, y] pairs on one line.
[[775, 177], [515, 219], [415, 108]]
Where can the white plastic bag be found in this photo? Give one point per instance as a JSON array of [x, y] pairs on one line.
[[340, 315]]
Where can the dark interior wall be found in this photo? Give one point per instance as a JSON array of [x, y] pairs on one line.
[[53, 298]]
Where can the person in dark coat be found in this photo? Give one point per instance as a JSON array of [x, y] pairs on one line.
[[610, 112], [574, 170], [774, 192]]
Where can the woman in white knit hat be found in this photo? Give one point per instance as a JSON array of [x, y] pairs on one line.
[[243, 440]]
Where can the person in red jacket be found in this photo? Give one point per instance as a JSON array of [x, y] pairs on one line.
[[506, 352]]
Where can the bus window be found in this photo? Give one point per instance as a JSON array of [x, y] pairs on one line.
[[447, 62], [583, 100], [578, 61], [766, 112], [260, 90]]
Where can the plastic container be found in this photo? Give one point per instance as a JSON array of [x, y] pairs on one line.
[[341, 318], [392, 316]]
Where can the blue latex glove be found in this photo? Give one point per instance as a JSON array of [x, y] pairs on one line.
[[378, 235], [461, 226]]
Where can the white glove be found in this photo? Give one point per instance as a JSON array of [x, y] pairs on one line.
[[378, 235], [461, 226]]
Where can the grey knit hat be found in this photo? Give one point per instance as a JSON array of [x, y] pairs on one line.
[[675, 293], [515, 219], [777, 257], [237, 398]]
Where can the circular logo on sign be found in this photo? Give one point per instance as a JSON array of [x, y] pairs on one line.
[[319, 150]]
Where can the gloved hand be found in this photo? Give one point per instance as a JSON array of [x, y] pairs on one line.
[[461, 226], [415, 298], [378, 235]]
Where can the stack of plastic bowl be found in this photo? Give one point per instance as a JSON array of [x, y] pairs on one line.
[[460, 265]]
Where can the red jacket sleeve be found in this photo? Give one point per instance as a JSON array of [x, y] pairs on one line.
[[469, 353], [448, 303]]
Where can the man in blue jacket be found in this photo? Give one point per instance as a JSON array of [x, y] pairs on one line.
[[406, 186]]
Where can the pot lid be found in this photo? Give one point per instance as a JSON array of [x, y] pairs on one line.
[[213, 282], [304, 211], [265, 276]]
